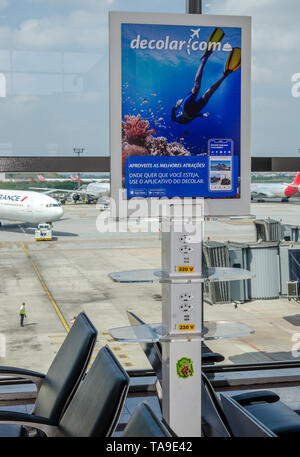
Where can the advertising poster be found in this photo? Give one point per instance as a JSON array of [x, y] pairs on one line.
[[181, 110]]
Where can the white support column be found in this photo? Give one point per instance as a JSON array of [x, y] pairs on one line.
[[182, 322]]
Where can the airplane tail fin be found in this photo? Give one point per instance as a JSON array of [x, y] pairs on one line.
[[293, 188], [297, 179]]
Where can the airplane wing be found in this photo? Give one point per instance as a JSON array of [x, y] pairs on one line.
[[49, 190], [268, 194]]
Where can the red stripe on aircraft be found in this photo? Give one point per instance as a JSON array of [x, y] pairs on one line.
[[23, 199]]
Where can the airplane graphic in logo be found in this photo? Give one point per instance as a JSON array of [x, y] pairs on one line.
[[195, 33]]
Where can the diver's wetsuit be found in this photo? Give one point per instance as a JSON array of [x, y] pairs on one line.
[[191, 108], [188, 110]]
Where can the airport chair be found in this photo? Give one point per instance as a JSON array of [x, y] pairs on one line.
[[214, 421], [95, 408], [145, 424], [266, 408], [243, 423], [66, 371]]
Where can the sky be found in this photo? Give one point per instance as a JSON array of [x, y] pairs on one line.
[[275, 59], [54, 89]]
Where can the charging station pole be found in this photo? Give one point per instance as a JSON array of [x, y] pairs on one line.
[[182, 316], [182, 324]]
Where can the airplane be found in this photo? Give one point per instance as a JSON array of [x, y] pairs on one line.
[[43, 179], [24, 206], [93, 191], [75, 178], [195, 33], [271, 190]]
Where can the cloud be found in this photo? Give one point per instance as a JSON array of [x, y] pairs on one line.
[[4, 4], [81, 30]]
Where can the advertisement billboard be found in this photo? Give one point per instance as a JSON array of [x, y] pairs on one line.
[[182, 127]]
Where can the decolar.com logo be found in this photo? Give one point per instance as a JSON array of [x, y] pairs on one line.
[[166, 43]]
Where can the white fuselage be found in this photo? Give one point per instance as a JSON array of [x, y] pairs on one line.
[[98, 188], [26, 206], [271, 190]]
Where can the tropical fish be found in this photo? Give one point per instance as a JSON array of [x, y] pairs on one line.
[[145, 101], [181, 139], [154, 95], [153, 131], [160, 119]]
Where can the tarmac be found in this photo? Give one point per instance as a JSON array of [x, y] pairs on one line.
[[60, 278]]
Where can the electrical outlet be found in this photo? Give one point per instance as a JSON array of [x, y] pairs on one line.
[[186, 296], [185, 307], [185, 239], [186, 249]]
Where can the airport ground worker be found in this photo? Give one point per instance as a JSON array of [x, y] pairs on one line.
[[22, 314]]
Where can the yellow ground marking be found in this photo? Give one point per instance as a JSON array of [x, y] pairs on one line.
[[116, 348], [56, 336], [104, 333], [46, 289], [109, 340], [54, 342], [240, 222], [122, 356], [128, 364]]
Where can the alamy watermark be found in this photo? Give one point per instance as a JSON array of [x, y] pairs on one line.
[[146, 215], [2, 345], [295, 87]]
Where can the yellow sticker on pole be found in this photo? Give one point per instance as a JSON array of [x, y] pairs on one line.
[[185, 269], [186, 327]]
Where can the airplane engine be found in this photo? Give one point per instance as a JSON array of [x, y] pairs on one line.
[[75, 197]]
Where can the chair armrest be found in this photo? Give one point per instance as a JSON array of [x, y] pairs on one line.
[[264, 396], [29, 420], [33, 376], [212, 357]]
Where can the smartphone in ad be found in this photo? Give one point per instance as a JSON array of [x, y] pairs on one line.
[[220, 164]]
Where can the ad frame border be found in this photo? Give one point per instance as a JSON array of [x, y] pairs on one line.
[[213, 207]]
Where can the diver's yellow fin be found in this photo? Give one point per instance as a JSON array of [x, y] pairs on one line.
[[233, 62], [216, 37]]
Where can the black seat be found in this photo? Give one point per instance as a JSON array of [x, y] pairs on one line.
[[95, 408], [144, 423], [273, 413], [56, 388], [214, 421], [243, 423]]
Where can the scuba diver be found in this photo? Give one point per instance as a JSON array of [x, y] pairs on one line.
[[189, 108]]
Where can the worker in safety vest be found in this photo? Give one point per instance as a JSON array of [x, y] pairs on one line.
[[22, 314]]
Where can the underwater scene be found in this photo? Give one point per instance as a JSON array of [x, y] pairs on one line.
[[181, 92]]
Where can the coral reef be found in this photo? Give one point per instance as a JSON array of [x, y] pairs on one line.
[[132, 150], [177, 149], [157, 146], [135, 130], [138, 141]]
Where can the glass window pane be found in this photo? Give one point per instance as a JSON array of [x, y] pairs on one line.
[[275, 72], [54, 90]]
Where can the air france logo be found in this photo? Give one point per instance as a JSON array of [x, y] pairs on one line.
[[12, 198], [167, 44]]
